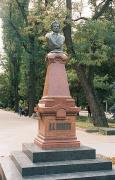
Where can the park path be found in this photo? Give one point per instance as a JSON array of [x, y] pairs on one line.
[[15, 130], [103, 144]]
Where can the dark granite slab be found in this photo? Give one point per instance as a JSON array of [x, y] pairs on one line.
[[11, 173], [27, 168], [36, 154]]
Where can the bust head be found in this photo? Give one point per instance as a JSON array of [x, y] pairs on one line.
[[55, 40], [55, 26]]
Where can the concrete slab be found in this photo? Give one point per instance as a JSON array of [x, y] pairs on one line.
[[11, 173], [107, 131]]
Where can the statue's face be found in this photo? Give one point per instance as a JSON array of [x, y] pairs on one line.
[[55, 27]]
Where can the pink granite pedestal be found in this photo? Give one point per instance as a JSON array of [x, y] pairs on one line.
[[57, 109]]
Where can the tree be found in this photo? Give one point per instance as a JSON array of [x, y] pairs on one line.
[[84, 71], [25, 34], [4, 90], [12, 48]]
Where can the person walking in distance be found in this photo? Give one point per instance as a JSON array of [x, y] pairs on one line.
[[89, 111]]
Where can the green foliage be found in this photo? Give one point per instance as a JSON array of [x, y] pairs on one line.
[[101, 82], [4, 90], [89, 43], [13, 22], [95, 49], [76, 88], [25, 50]]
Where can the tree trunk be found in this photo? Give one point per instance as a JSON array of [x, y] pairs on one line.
[[98, 115], [31, 93], [16, 83], [31, 79]]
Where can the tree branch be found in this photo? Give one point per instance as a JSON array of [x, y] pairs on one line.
[[19, 37], [22, 11], [84, 18], [102, 10], [101, 3], [46, 3]]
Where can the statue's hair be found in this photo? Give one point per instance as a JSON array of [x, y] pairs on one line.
[[55, 22]]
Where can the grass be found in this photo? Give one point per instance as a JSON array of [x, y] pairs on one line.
[[108, 158], [84, 125], [86, 122], [112, 125]]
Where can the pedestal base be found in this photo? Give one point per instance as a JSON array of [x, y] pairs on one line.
[[54, 143], [33, 163], [57, 129]]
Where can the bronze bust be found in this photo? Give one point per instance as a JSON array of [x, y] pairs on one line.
[[54, 38]]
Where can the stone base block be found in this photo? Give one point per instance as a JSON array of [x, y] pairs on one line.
[[107, 131], [12, 173], [55, 133], [27, 168], [54, 143], [35, 163], [37, 154]]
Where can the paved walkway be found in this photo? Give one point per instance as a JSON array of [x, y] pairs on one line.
[[15, 130]]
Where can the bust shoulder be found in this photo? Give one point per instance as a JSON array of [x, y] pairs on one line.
[[48, 35]]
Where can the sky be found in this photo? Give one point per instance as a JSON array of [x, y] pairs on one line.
[[86, 9]]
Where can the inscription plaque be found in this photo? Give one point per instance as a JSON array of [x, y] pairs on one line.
[[60, 126]]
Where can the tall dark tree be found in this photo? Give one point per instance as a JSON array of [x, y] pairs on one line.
[[27, 35], [12, 48], [86, 73]]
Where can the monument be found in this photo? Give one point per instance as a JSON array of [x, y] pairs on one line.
[[56, 153], [57, 109]]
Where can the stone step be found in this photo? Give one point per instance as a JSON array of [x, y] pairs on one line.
[[11, 173], [27, 168], [37, 154], [107, 131], [10, 170]]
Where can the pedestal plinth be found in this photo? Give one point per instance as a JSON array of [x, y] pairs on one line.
[[57, 110]]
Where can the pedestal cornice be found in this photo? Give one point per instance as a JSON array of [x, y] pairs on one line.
[[53, 57]]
